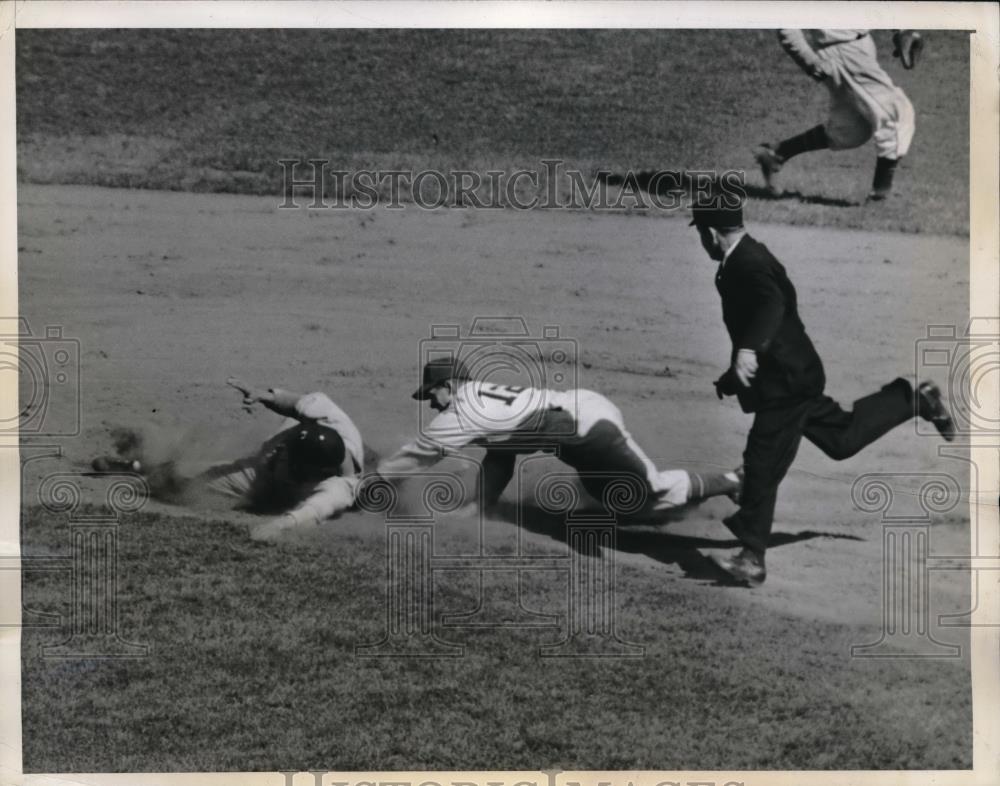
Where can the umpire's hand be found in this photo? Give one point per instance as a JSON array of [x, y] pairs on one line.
[[745, 366]]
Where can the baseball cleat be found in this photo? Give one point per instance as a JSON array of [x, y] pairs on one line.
[[746, 567], [115, 464], [770, 164], [878, 196], [931, 408]]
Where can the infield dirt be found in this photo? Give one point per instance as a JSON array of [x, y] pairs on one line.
[[171, 293]]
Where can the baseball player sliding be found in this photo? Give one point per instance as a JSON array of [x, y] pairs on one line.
[[309, 469], [864, 102], [584, 427]]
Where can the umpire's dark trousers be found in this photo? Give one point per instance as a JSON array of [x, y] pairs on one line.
[[775, 436]]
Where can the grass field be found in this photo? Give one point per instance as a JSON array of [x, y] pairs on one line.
[[169, 289], [252, 667], [215, 110]]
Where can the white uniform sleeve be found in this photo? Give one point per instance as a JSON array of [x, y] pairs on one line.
[[480, 412], [795, 43], [443, 436], [330, 497]]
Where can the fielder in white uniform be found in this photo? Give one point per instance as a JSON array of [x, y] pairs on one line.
[[864, 104], [587, 430]]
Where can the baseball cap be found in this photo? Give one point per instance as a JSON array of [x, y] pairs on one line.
[[716, 215], [438, 371], [719, 206]]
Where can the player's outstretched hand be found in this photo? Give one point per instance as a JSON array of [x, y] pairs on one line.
[[250, 395], [240, 385]]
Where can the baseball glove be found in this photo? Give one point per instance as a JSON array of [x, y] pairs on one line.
[[908, 46]]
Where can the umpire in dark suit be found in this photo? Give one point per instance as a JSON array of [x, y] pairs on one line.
[[776, 373]]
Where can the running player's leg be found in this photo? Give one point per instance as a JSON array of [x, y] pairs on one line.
[[849, 122], [893, 134]]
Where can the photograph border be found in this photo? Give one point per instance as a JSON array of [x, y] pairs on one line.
[[984, 236]]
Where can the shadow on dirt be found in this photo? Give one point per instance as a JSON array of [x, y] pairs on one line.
[[758, 192], [652, 541], [672, 185]]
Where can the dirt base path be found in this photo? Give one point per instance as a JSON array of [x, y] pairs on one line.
[[169, 293]]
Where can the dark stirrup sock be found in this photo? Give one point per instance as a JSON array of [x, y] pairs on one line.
[[813, 139], [885, 169], [705, 485]]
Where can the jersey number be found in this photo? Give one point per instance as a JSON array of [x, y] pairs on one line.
[[508, 400]]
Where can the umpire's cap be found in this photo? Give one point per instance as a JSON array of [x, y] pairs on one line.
[[314, 450], [438, 371], [717, 217], [721, 207]]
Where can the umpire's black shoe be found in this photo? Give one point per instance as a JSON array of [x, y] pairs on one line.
[[931, 407], [747, 567]]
